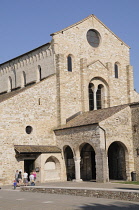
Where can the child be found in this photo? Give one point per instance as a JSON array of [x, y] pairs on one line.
[[15, 184]]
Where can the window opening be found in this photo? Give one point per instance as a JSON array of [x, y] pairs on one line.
[[116, 70], [99, 97], [91, 97], [29, 129], [69, 62]]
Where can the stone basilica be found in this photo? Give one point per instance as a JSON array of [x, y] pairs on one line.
[[68, 109]]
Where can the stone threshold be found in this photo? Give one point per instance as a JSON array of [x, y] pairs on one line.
[[117, 194]]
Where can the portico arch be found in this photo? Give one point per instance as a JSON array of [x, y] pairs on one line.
[[69, 162], [117, 161], [88, 163]]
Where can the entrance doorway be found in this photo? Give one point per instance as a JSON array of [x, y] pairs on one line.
[[29, 166], [116, 160], [88, 163]]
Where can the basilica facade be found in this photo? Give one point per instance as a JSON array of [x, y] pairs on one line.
[[69, 110]]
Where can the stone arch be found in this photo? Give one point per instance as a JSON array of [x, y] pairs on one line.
[[117, 161], [52, 169], [69, 162], [88, 162]]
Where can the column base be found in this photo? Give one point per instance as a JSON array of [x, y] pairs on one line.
[[77, 180]]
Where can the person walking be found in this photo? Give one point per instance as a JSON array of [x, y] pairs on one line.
[[31, 177], [15, 184], [25, 178]]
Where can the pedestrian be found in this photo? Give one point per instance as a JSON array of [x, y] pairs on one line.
[[16, 176], [20, 178], [15, 184], [25, 178], [35, 175], [31, 177]]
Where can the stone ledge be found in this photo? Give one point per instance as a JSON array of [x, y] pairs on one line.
[[130, 195]]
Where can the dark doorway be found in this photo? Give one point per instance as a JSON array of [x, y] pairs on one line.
[[69, 161], [28, 166], [116, 160], [88, 163]]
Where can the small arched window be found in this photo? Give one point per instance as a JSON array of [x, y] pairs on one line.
[[116, 70], [69, 63], [91, 97]]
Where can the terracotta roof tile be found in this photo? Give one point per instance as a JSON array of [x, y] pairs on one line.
[[93, 117]]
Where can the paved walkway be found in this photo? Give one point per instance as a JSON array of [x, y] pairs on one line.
[[113, 190], [89, 189], [108, 185]]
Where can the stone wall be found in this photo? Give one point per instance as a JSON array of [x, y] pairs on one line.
[[118, 128], [26, 67], [35, 107], [88, 63], [135, 130]]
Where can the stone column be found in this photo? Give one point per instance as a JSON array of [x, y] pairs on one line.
[[95, 100], [77, 161]]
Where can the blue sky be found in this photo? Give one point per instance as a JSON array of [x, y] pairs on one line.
[[27, 24]]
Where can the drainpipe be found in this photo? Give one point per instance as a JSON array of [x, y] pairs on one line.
[[104, 135]]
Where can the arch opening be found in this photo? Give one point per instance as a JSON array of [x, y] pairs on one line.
[[69, 162], [116, 161], [88, 163], [91, 97]]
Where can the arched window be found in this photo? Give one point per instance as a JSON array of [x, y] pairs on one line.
[[91, 97], [99, 97], [116, 70], [9, 84], [69, 63]]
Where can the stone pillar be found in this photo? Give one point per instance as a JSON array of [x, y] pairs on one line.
[[130, 84], [83, 68], [77, 161], [101, 167], [59, 62], [95, 100]]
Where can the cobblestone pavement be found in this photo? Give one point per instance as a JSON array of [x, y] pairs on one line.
[[14, 200]]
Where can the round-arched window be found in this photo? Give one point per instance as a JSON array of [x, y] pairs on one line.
[[93, 38], [29, 129]]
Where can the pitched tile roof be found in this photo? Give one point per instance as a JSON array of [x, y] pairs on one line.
[[92, 117]]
